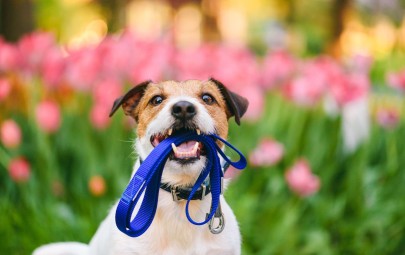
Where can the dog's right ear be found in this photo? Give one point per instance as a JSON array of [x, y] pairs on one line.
[[130, 100]]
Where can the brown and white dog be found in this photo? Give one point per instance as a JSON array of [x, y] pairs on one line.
[[159, 110]]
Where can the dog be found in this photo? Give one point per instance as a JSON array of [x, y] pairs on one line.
[[161, 109]]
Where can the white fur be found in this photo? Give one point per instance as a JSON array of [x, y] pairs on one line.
[[170, 232], [68, 248]]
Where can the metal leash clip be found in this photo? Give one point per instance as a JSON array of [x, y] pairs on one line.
[[221, 225]]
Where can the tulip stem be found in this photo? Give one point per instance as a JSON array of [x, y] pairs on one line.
[[392, 154], [4, 157]]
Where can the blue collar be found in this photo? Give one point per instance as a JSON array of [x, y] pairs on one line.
[[147, 178]]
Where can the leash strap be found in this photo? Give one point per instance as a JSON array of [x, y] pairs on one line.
[[147, 179]]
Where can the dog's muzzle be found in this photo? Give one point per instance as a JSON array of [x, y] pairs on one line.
[[189, 151]]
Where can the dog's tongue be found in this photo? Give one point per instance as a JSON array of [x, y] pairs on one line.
[[189, 149], [186, 146]]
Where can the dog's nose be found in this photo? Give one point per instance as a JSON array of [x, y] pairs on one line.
[[183, 110]]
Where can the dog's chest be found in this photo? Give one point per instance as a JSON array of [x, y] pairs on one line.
[[171, 233], [169, 239]]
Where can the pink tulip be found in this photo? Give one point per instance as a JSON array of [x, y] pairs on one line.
[[99, 116], [148, 59], [106, 91], [305, 90], [325, 66], [269, 152], [33, 47], [19, 170], [48, 116], [361, 63], [9, 57], [256, 98], [83, 68], [53, 66], [115, 60], [300, 179], [194, 63], [5, 89], [151, 63], [347, 88], [10, 134], [236, 67], [397, 80], [312, 82], [278, 66], [321, 70], [388, 118]]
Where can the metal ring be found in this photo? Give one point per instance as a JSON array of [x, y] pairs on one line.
[[221, 225]]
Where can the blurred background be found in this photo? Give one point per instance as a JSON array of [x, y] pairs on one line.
[[325, 80]]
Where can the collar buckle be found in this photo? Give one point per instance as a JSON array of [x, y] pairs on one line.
[[204, 188], [175, 194]]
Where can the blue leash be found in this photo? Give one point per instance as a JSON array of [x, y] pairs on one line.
[[147, 180]]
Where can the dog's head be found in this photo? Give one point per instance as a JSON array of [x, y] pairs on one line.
[[162, 109]]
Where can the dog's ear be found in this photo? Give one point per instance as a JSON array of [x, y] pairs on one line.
[[236, 103], [130, 100]]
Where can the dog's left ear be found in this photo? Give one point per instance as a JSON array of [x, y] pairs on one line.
[[130, 100], [236, 103]]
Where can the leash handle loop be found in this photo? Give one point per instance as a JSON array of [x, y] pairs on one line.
[[241, 163]]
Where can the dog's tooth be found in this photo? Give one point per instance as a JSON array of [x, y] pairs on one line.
[[170, 131], [198, 131], [195, 147], [174, 148]]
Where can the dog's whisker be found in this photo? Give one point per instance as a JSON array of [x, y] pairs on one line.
[[127, 141]]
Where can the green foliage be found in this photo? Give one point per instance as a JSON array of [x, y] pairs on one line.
[[358, 210], [38, 212]]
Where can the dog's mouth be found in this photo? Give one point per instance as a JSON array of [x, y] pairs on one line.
[[185, 153]]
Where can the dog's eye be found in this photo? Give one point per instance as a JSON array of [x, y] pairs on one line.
[[156, 100], [208, 99]]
